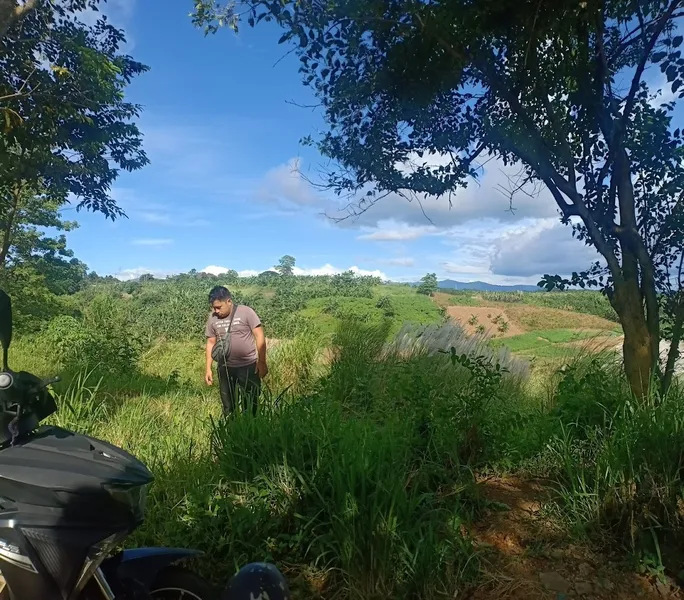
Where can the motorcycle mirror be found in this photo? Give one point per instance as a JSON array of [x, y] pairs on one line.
[[5, 326]]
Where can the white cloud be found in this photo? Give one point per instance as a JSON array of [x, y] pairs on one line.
[[152, 242], [328, 269], [417, 214], [285, 186], [216, 270], [393, 231], [129, 274], [248, 273]]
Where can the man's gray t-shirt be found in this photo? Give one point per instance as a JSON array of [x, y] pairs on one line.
[[242, 347]]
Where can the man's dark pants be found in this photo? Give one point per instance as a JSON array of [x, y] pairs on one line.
[[239, 383]]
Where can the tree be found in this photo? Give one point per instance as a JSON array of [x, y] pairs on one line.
[[428, 284], [67, 128], [404, 84], [23, 242], [286, 265]]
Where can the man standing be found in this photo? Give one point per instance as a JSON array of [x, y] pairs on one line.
[[239, 333]]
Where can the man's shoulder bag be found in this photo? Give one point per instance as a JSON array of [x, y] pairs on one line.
[[221, 350]]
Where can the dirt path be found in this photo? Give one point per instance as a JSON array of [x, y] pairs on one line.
[[524, 558]]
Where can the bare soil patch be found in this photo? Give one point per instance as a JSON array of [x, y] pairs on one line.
[[489, 317], [526, 558]]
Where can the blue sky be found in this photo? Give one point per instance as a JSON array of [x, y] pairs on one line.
[[222, 192]]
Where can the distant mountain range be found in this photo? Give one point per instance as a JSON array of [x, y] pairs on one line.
[[481, 286]]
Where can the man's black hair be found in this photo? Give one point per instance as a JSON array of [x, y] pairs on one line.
[[219, 293]]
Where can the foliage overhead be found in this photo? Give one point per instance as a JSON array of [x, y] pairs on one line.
[[67, 128], [417, 94]]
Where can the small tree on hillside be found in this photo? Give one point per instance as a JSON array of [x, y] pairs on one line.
[[286, 265], [428, 284], [416, 93]]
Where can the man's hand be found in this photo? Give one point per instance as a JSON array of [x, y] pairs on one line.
[[262, 369], [209, 377]]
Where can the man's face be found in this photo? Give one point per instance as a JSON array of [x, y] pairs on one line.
[[222, 308]]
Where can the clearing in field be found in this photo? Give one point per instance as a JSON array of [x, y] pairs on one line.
[[531, 328]]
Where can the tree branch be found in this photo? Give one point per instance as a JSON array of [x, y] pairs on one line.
[[636, 80]]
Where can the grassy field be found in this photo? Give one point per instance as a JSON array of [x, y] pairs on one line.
[[362, 476]]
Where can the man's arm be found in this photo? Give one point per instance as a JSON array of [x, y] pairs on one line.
[[260, 340], [208, 374]]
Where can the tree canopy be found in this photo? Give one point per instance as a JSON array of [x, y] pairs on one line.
[[286, 265], [68, 129], [417, 94], [67, 132], [428, 284]]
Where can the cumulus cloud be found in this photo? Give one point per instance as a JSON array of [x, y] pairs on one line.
[[326, 269], [407, 217], [544, 247], [129, 274], [216, 270], [329, 269]]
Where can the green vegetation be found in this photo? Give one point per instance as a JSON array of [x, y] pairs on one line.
[[551, 344], [360, 475], [359, 478], [428, 284], [402, 118]]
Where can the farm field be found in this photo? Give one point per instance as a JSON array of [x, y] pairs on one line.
[[382, 464]]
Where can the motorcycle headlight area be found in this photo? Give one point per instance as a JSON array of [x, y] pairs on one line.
[[132, 497]]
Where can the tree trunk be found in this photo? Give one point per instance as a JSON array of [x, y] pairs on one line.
[[8, 225], [636, 299], [673, 354], [638, 345]]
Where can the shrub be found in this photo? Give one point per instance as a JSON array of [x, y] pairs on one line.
[[105, 337]]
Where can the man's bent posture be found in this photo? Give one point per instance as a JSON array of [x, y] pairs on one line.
[[235, 339]]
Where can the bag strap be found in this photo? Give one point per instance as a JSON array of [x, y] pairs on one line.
[[232, 316]]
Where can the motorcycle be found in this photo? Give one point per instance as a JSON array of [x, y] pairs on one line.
[[68, 501]]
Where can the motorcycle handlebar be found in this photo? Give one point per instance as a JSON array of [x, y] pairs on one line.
[[29, 382]]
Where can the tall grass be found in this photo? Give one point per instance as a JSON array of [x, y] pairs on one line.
[[620, 460], [358, 476]]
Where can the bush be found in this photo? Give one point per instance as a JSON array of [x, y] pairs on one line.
[[105, 337]]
